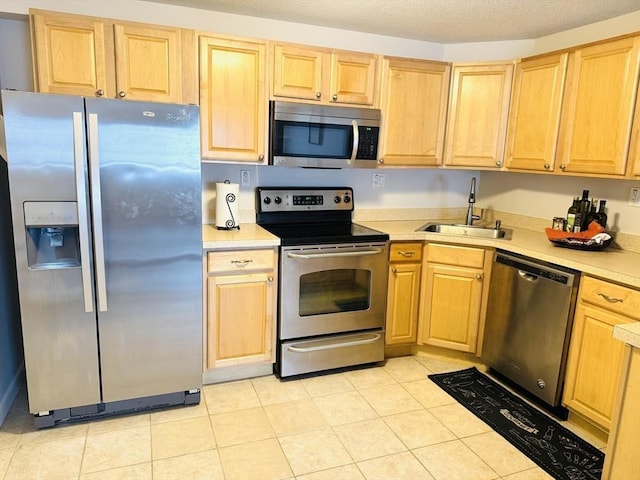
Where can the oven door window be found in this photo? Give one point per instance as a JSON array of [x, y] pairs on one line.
[[312, 140], [334, 291]]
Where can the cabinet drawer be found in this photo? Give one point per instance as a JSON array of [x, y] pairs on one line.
[[405, 252], [240, 260], [455, 255], [614, 298]]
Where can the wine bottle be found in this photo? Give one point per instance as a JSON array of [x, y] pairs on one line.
[[585, 206], [571, 214], [601, 216], [591, 216]]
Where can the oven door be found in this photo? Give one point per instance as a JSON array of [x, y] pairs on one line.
[[330, 289]]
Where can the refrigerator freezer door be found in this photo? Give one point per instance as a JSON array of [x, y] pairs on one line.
[[60, 336], [150, 194]]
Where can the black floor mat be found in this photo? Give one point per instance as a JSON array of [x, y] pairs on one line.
[[558, 451]]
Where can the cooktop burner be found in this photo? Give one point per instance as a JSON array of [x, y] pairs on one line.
[[310, 215]]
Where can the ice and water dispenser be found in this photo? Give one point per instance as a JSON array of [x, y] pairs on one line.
[[52, 234]]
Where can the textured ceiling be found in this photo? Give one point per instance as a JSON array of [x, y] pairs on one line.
[[441, 21]]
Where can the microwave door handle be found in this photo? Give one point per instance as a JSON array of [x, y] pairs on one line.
[[356, 142]]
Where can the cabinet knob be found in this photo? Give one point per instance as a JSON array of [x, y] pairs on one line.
[[270, 278], [479, 276], [563, 166], [394, 270], [122, 94], [261, 157], [318, 94], [381, 161], [100, 92], [334, 97], [547, 166], [498, 163]]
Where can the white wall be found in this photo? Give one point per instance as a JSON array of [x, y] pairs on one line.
[[548, 196], [15, 54]]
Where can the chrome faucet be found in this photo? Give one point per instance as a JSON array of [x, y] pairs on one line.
[[472, 199]]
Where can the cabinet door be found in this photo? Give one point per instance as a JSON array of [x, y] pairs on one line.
[[299, 72], [353, 78], [451, 307], [479, 108], [239, 319], [414, 109], [148, 63], [72, 55], [594, 363], [402, 303], [233, 99], [598, 107], [534, 121]]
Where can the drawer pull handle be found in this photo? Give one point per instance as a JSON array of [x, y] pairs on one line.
[[406, 254], [241, 263], [611, 299]]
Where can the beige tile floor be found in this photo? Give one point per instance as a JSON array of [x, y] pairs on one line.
[[381, 423]]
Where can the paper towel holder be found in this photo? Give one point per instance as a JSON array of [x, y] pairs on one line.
[[228, 203]]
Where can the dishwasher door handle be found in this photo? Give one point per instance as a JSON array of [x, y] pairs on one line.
[[529, 277]]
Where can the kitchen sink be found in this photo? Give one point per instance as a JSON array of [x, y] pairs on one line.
[[467, 230]]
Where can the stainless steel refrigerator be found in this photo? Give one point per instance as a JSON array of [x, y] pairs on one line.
[[106, 207]]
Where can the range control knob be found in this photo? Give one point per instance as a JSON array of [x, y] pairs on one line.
[[337, 199], [267, 200], [278, 200], [347, 199], [540, 383]]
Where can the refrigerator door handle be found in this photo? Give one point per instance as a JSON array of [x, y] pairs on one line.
[[83, 220], [96, 202]]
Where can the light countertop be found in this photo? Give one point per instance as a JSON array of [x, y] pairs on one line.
[[628, 333], [249, 235], [611, 264]]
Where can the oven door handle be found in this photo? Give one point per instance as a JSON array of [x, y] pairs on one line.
[[358, 253], [330, 346]]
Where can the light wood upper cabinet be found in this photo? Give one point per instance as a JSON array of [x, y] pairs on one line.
[[634, 148], [79, 55], [403, 293], [323, 75], [478, 112], [602, 82], [148, 63], [534, 116], [70, 54], [453, 296], [595, 358], [233, 99], [414, 109]]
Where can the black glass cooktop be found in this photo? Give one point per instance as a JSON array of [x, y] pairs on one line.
[[324, 233]]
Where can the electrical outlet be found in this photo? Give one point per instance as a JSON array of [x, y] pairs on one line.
[[634, 197], [377, 180], [245, 178]]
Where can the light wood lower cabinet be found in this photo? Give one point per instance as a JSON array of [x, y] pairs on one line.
[[403, 293], [622, 461], [595, 357], [241, 304], [453, 296]]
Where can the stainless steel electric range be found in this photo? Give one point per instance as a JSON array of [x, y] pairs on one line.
[[333, 279]]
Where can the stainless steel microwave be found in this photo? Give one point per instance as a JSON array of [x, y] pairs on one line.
[[303, 135]]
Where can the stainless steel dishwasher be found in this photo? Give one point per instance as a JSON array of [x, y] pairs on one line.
[[528, 324]]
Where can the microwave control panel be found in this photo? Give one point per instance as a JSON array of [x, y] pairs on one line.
[[368, 143]]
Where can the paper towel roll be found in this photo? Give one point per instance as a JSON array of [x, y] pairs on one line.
[[227, 205]]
